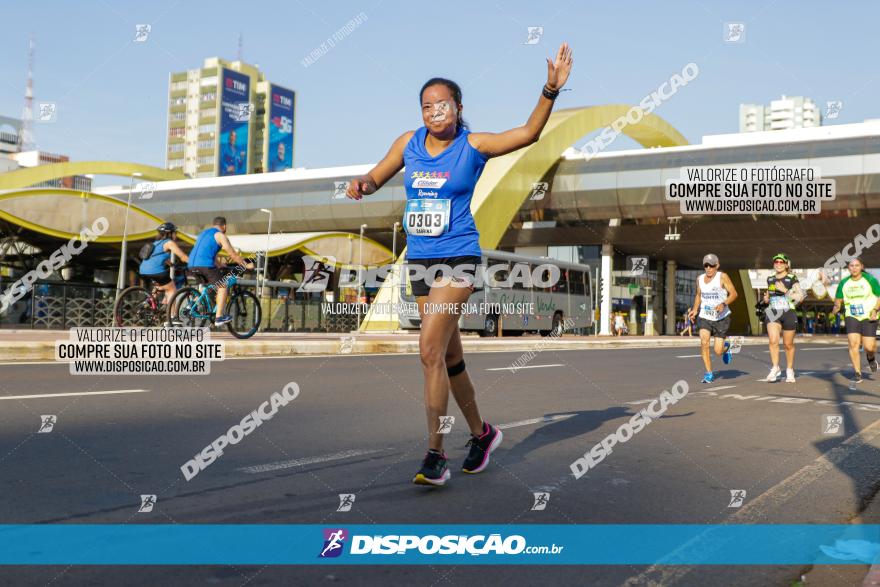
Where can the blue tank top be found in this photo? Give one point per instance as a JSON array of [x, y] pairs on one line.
[[205, 249], [451, 175], [155, 263]]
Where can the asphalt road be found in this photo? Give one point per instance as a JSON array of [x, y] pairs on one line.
[[358, 427]]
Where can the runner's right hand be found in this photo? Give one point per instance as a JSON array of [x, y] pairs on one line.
[[359, 187]]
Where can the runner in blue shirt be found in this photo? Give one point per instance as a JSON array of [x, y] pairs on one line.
[[443, 162]]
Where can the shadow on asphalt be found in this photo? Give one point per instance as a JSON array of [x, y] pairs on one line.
[[562, 430], [729, 374], [861, 460]]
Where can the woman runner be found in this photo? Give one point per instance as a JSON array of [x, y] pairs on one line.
[[859, 293], [782, 296], [443, 161]]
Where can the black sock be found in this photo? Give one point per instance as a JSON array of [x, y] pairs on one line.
[[870, 357]]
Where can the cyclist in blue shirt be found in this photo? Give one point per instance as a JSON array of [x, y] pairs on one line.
[[156, 268], [203, 262], [443, 162]]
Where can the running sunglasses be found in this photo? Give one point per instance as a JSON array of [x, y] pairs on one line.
[[707, 265]]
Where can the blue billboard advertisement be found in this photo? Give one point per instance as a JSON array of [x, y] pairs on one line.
[[235, 115], [280, 129]]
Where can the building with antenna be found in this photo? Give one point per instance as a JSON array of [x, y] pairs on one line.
[[225, 118], [18, 146]]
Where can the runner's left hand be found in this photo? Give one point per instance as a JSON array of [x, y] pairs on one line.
[[719, 308], [558, 71]]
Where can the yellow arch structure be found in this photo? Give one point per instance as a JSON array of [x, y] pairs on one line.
[[61, 213], [28, 176], [506, 181]]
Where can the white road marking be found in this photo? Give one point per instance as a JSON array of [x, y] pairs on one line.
[[719, 387], [761, 508], [72, 394], [687, 356], [279, 465], [835, 347], [345, 454], [526, 367], [535, 421]]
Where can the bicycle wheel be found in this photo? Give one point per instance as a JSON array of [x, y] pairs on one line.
[[136, 307], [188, 309], [246, 314]]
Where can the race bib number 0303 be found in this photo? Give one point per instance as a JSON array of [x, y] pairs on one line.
[[426, 217]]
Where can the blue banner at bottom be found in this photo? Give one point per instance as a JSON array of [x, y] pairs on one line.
[[525, 544]]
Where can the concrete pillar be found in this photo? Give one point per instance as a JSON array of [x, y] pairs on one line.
[[605, 278], [671, 267]]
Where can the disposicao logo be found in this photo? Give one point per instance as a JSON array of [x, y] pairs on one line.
[[334, 542]]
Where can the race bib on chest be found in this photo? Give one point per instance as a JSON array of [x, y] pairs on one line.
[[857, 309], [779, 302], [708, 312], [425, 217]]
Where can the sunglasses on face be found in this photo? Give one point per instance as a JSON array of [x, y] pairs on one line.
[[707, 265]]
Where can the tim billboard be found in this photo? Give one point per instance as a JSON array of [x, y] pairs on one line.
[[235, 117], [280, 127]]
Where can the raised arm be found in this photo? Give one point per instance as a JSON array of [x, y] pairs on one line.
[[497, 144], [382, 172]]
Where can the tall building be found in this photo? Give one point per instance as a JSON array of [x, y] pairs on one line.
[[10, 133], [227, 119], [785, 113]]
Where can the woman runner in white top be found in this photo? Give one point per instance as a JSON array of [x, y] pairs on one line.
[[715, 293]]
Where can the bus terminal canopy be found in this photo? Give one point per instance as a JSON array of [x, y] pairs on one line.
[[49, 215], [334, 248]]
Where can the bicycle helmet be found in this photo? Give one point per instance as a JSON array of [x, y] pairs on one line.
[[167, 227]]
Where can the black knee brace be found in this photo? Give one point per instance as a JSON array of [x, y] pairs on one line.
[[455, 369]]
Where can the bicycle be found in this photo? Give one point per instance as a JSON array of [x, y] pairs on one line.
[[193, 308], [136, 306]]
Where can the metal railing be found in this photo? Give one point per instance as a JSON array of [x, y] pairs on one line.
[[54, 305]]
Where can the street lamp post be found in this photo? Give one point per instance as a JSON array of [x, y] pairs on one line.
[[266, 253], [394, 272], [120, 280], [360, 267]]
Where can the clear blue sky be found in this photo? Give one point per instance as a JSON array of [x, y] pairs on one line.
[[112, 93]]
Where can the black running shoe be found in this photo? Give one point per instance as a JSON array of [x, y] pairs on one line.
[[434, 470], [872, 364], [481, 447]]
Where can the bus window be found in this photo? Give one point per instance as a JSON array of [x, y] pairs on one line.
[[545, 277], [576, 282], [497, 276], [562, 285], [522, 273]]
